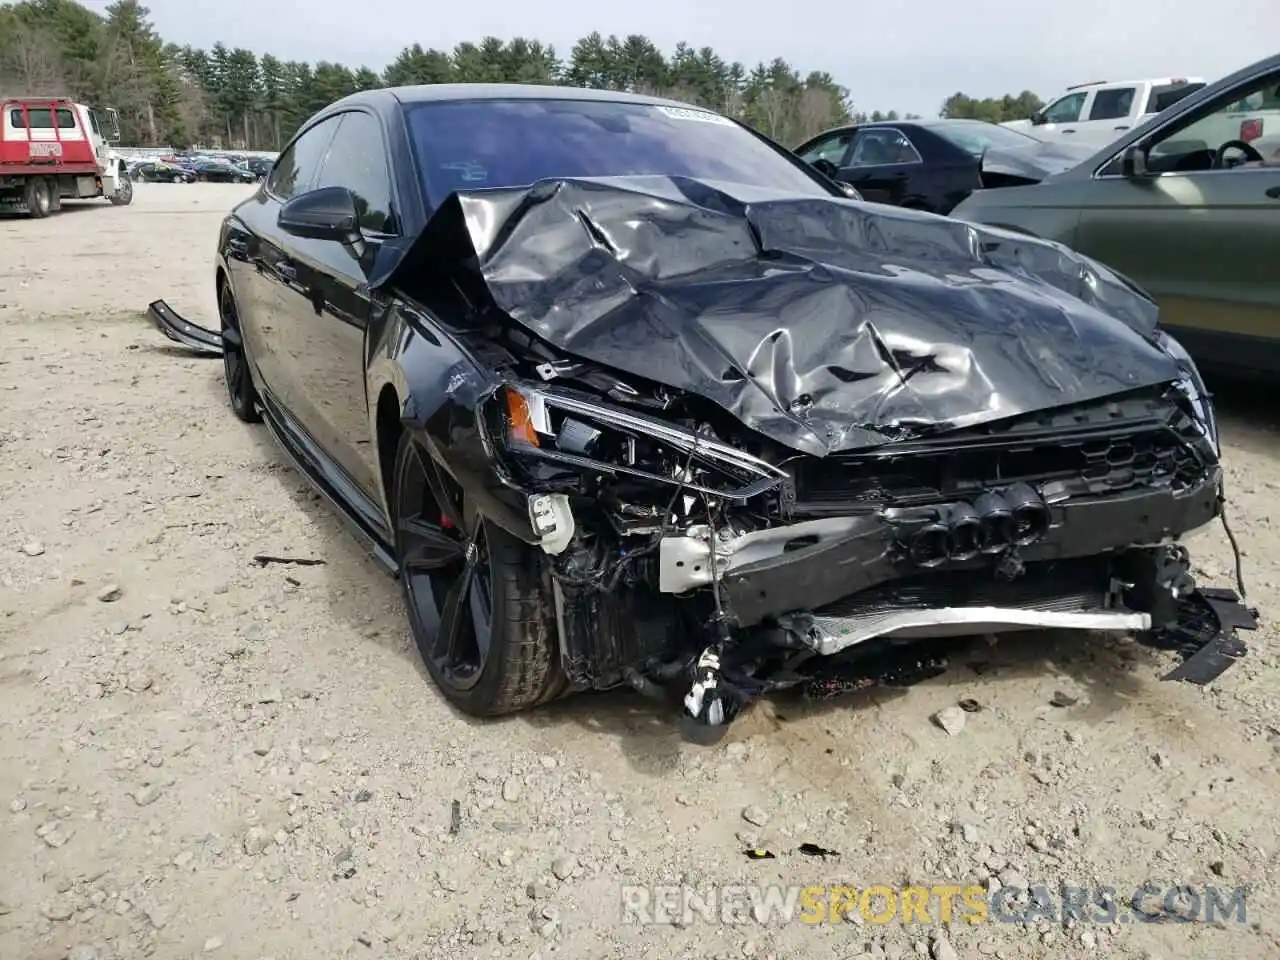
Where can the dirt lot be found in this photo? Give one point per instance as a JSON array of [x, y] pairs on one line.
[[199, 755]]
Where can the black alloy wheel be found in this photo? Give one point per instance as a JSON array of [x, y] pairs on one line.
[[235, 362], [479, 600]]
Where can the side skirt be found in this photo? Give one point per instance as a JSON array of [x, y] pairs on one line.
[[359, 512]]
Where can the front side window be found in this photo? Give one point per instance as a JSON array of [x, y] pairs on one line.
[[1112, 104], [1245, 114], [298, 165], [357, 160], [1066, 110], [882, 146], [472, 144], [831, 148]]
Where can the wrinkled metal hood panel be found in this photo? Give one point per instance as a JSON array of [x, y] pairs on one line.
[[824, 324], [1035, 161]]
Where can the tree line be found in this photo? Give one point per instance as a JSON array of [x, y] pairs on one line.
[[236, 99]]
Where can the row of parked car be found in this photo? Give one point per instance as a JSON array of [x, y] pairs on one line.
[[1186, 203], [205, 168]]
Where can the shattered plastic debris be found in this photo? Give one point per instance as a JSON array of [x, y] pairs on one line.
[[814, 850], [759, 855]]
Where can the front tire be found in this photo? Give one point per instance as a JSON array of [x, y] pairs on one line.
[[124, 191], [241, 392], [480, 603]]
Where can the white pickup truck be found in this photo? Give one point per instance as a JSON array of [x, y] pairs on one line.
[[1094, 114]]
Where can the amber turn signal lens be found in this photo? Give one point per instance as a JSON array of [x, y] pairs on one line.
[[519, 421]]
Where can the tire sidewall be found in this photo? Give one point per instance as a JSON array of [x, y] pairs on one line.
[[245, 407], [488, 696]]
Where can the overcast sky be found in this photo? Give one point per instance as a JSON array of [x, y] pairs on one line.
[[891, 55]]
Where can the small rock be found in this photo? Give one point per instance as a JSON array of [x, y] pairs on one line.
[[138, 681], [118, 628], [942, 948], [563, 867], [538, 889], [1218, 868], [1061, 698], [270, 695], [147, 795], [511, 790], [950, 719], [970, 833], [446, 881], [83, 951], [1088, 940], [33, 548], [755, 815], [548, 762], [241, 714], [1161, 760], [182, 859], [213, 943], [57, 910], [17, 805], [255, 841], [56, 838], [110, 593]]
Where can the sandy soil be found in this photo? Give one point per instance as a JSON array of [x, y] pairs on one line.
[[249, 762]]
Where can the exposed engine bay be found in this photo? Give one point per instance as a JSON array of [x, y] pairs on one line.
[[745, 568]]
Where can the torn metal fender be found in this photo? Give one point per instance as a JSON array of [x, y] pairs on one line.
[[206, 343], [1035, 161]]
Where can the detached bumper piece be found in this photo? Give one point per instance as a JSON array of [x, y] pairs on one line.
[[1205, 635], [206, 343]]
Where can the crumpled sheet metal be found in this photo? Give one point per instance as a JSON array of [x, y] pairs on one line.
[[1035, 161], [825, 324]]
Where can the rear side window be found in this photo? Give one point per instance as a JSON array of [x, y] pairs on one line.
[[42, 118], [1112, 104], [357, 160], [1162, 98], [298, 165]]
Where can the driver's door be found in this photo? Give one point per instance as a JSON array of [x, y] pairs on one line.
[[1203, 236]]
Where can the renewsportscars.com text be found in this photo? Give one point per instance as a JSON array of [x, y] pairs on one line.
[[940, 904]]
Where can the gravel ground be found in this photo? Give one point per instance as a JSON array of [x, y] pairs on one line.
[[202, 756]]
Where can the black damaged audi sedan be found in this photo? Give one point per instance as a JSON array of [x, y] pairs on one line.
[[627, 394]]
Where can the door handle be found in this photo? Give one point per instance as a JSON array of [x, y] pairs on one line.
[[1121, 128], [287, 271], [1068, 131], [1273, 193]]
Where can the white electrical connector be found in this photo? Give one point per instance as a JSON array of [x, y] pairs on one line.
[[552, 520]]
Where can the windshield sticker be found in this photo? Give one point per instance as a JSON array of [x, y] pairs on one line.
[[682, 113], [468, 170]]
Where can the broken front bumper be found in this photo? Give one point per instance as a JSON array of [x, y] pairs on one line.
[[868, 576]]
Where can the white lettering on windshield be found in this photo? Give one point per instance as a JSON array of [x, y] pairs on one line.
[[682, 113]]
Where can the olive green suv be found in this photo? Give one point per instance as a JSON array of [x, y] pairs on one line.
[[1187, 206]]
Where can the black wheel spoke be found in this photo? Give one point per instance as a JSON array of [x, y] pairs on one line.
[[455, 620], [427, 547]]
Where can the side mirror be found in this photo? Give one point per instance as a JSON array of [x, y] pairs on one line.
[[1038, 118], [328, 213], [1133, 163], [850, 192], [826, 168]]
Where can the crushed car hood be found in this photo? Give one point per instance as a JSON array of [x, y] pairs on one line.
[[824, 324], [1035, 161]]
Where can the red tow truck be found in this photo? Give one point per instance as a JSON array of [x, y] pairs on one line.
[[54, 149]]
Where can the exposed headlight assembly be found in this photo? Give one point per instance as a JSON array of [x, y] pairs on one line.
[[532, 424]]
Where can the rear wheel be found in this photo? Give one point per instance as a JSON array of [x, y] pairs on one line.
[[479, 601], [235, 360], [38, 197]]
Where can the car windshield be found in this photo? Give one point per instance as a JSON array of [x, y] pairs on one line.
[[976, 137], [473, 144]]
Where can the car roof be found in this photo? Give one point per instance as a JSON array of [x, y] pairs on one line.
[[389, 97]]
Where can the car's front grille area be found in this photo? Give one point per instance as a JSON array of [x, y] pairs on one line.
[[1087, 457]]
